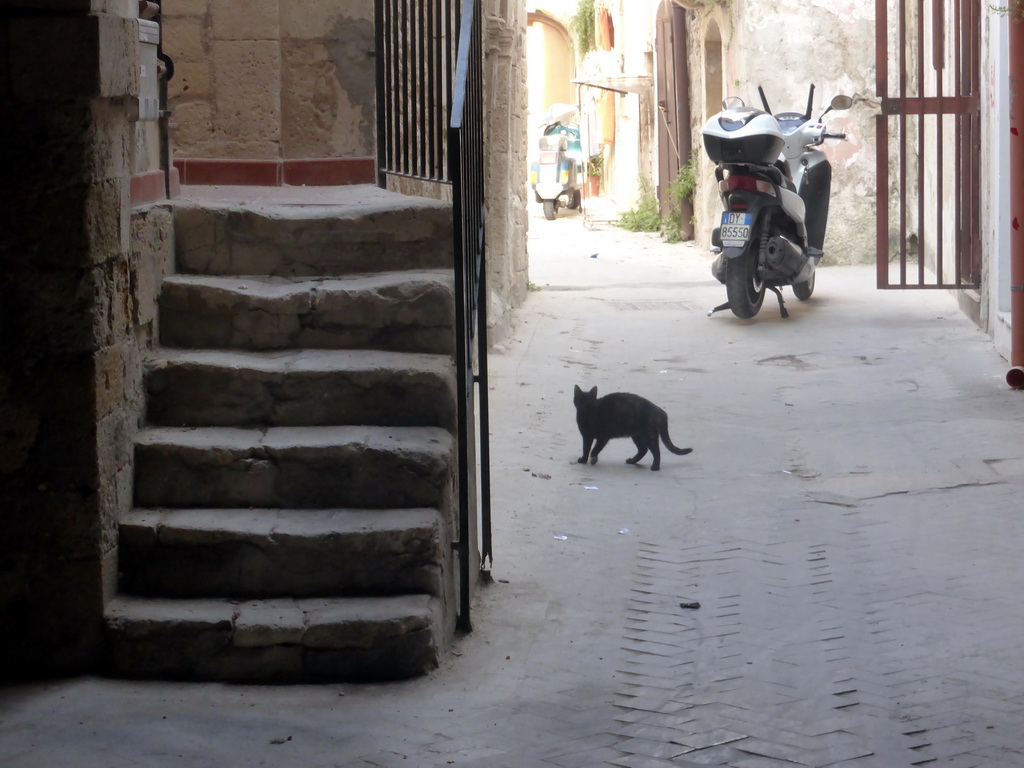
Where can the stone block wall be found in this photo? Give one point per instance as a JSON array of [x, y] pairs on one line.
[[271, 79], [76, 303]]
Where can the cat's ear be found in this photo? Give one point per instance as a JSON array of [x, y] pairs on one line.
[[592, 392], [577, 392]]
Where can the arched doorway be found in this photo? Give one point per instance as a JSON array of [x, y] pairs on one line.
[[713, 69], [550, 64]]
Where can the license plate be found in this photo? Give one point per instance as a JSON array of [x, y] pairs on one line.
[[735, 229]]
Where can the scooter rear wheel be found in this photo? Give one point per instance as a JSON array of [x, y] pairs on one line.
[[744, 286], [550, 209], [804, 290]]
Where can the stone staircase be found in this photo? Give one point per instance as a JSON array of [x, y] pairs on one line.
[[295, 483]]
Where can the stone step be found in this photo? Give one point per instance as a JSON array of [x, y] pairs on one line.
[[264, 553], [300, 388], [293, 467], [274, 641], [410, 310], [388, 232]]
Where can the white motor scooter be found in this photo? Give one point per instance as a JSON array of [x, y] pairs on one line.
[[774, 182]]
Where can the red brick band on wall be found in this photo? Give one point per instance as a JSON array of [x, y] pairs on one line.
[[148, 187], [336, 171]]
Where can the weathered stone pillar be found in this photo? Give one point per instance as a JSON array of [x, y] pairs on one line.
[[68, 87], [505, 105]]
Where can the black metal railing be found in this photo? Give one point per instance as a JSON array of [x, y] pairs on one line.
[[417, 40], [430, 126]]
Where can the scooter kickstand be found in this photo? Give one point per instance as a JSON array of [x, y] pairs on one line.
[[719, 308], [782, 304]]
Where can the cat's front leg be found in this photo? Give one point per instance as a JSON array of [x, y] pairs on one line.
[[641, 451], [587, 442], [597, 449]]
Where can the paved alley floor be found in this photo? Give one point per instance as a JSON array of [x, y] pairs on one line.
[[849, 523]]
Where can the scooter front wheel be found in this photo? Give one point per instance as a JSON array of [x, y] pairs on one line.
[[744, 286], [550, 209]]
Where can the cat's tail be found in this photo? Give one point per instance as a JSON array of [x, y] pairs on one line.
[[668, 443]]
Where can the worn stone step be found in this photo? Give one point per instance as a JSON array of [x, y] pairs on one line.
[[410, 310], [265, 553], [274, 641], [386, 231], [300, 388], [301, 467]]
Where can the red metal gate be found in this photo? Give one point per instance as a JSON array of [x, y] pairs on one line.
[[929, 137]]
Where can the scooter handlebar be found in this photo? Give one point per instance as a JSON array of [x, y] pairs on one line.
[[841, 136]]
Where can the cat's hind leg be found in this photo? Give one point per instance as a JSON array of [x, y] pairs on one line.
[[641, 451], [601, 443], [655, 454]]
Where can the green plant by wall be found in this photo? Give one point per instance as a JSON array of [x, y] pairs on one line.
[[584, 24], [595, 166], [1015, 10], [645, 215], [679, 191]]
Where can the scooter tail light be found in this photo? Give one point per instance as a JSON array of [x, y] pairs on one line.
[[740, 181], [747, 183], [564, 178], [548, 158]]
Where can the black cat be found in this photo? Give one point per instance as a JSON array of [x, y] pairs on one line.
[[621, 414]]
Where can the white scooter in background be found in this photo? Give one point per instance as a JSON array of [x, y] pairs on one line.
[[556, 176], [774, 182]]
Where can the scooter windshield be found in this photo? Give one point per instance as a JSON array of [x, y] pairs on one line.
[[790, 121], [736, 119]]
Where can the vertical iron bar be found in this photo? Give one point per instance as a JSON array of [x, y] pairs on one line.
[[938, 34], [958, 143], [381, 53], [394, 105], [402, 161], [921, 240], [938, 64], [882, 148], [974, 13], [465, 157], [481, 295], [904, 143], [411, 81], [431, 78], [424, 117]]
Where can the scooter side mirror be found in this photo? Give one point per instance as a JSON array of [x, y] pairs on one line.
[[732, 102], [838, 102]]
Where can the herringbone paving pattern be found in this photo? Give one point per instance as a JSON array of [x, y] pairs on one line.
[[874, 638]]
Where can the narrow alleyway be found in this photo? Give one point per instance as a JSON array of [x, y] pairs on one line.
[[847, 521]]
